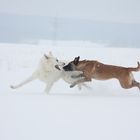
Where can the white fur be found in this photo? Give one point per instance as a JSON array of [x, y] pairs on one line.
[[47, 73]]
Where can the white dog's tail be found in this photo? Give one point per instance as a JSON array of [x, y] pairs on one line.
[[31, 78]]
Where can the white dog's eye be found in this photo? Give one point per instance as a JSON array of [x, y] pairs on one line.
[[56, 60]]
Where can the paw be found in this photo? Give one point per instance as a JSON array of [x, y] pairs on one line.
[[12, 87], [71, 86]]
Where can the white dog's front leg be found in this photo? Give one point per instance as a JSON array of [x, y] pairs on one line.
[[48, 87]]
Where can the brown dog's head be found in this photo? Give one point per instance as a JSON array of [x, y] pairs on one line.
[[72, 65]]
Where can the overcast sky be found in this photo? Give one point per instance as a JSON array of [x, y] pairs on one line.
[[105, 10]]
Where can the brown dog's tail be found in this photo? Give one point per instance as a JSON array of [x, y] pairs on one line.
[[135, 69]]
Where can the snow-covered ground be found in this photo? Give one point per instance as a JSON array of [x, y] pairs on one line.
[[105, 112]]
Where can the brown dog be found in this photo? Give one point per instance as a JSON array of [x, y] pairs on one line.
[[100, 71]]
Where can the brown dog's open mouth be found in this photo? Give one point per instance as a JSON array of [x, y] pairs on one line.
[[57, 67]]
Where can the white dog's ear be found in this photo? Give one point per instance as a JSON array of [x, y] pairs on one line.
[[50, 53], [46, 56]]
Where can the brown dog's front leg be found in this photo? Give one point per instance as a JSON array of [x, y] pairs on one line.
[[77, 76], [79, 81]]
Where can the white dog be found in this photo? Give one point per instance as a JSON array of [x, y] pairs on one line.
[[48, 72]]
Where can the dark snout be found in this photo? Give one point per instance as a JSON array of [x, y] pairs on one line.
[[57, 67], [68, 68]]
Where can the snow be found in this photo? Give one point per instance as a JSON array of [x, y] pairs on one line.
[[105, 112]]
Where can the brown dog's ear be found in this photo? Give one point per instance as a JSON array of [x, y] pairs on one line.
[[76, 60]]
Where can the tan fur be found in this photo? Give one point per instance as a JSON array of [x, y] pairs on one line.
[[100, 71]]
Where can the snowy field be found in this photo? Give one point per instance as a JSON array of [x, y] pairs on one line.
[[105, 112]]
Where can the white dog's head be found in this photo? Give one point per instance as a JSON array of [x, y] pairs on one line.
[[50, 62]]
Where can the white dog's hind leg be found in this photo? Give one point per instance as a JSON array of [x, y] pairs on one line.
[[48, 87], [31, 78]]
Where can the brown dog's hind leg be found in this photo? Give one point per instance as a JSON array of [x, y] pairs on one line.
[[136, 84], [129, 84]]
